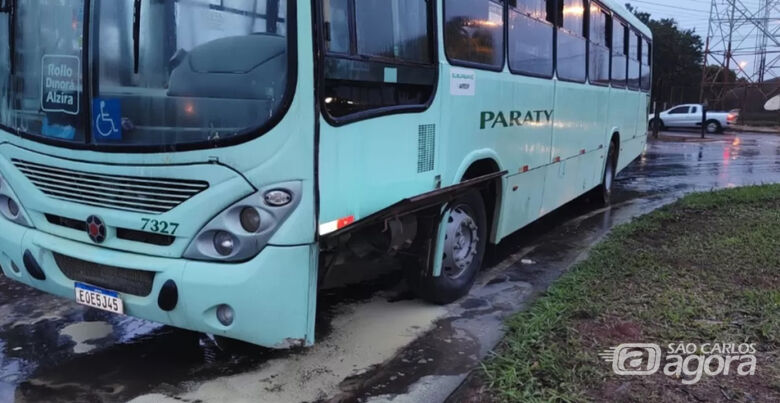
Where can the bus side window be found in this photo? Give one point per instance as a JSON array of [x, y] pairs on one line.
[[571, 41], [379, 56], [599, 46], [474, 32], [336, 18], [531, 37], [619, 60], [646, 65], [633, 60]]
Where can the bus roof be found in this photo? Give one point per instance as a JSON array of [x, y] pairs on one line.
[[620, 10]]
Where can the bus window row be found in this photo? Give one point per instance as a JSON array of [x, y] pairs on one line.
[[592, 43], [380, 54]]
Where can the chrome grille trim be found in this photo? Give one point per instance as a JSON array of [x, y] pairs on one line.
[[129, 193]]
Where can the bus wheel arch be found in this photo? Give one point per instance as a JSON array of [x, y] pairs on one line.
[[491, 194], [461, 251]]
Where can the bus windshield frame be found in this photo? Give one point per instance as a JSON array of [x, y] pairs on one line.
[[89, 86]]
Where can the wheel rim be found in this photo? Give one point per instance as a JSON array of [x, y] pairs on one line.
[[712, 127], [461, 242]]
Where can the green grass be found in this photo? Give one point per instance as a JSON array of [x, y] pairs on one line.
[[704, 269]]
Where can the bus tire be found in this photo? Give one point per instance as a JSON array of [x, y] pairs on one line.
[[604, 191], [463, 252]]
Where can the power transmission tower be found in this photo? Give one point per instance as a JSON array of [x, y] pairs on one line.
[[743, 38]]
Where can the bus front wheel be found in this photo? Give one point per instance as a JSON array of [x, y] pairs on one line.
[[465, 227]]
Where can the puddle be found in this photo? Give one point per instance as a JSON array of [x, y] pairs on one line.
[[83, 332]]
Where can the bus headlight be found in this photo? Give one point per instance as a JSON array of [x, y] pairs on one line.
[[224, 243], [241, 231], [250, 219], [10, 208]]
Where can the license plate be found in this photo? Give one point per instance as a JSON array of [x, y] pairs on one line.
[[99, 298]]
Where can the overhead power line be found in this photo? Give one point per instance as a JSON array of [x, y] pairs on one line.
[[742, 36]]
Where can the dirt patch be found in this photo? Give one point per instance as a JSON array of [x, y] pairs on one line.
[[362, 337], [608, 332]]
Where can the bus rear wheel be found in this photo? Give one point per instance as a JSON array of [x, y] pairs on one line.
[[462, 253], [604, 191]]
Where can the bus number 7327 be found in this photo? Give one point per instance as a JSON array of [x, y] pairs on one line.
[[202, 164]]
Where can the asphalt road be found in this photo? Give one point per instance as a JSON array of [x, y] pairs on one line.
[[375, 341]]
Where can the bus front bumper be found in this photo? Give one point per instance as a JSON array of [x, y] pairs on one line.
[[272, 296]]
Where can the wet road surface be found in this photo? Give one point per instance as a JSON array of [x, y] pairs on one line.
[[375, 342]]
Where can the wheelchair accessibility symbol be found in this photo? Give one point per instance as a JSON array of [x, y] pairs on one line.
[[107, 119]]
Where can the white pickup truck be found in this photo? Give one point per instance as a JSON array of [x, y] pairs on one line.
[[690, 116]]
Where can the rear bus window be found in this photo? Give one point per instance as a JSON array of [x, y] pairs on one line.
[[571, 41], [531, 37], [646, 63], [474, 32]]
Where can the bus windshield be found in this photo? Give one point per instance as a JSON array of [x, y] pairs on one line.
[[143, 72]]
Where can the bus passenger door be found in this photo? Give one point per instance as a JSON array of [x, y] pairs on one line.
[[379, 127]]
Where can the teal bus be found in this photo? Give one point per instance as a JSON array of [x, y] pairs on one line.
[[204, 163]]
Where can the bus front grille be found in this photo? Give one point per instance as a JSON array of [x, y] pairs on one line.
[[129, 193], [127, 281], [121, 233]]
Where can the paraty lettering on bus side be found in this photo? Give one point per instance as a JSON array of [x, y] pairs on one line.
[[491, 120]]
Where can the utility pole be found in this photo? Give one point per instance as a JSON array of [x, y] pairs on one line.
[[739, 37]]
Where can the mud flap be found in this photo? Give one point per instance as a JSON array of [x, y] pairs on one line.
[[311, 318]]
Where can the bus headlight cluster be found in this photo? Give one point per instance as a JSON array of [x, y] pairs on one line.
[[241, 231], [9, 205]]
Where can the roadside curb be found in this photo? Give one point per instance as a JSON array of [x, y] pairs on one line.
[[683, 139], [754, 129]]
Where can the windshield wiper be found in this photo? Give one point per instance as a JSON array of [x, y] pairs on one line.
[[136, 34]]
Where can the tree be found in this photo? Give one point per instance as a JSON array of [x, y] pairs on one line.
[[677, 59]]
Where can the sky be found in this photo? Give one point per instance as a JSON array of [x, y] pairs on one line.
[[694, 14]]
